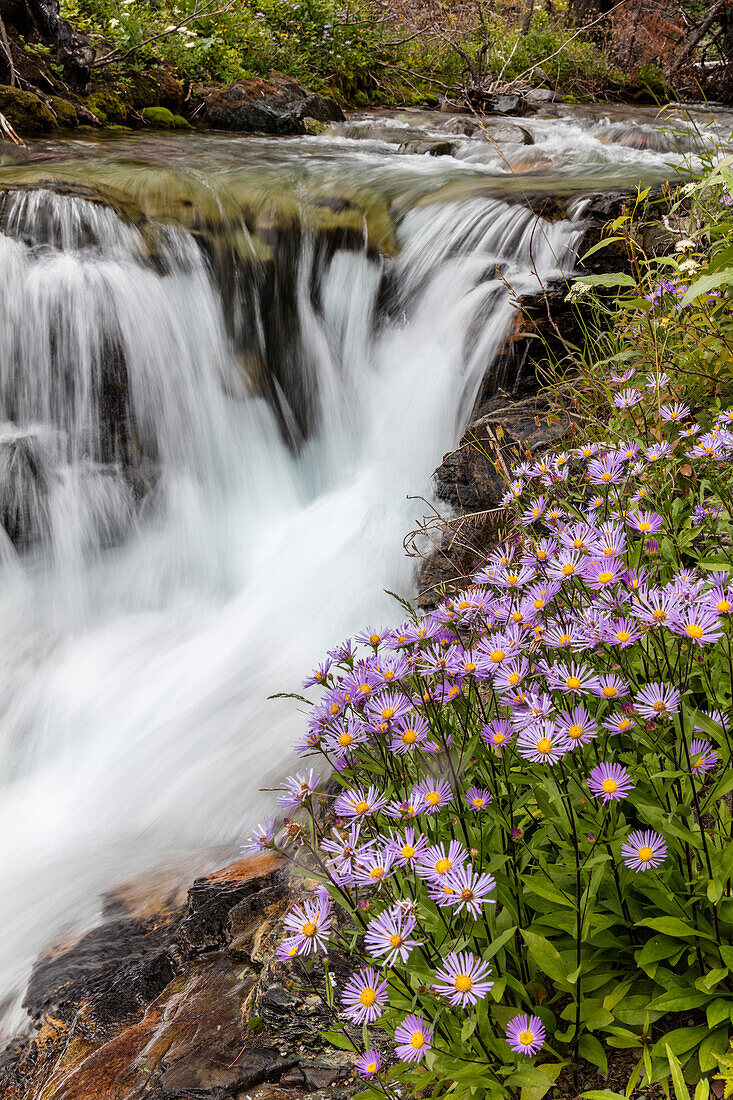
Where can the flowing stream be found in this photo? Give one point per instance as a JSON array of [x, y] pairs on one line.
[[207, 467]]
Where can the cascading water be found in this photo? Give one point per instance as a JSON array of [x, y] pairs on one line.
[[182, 548]]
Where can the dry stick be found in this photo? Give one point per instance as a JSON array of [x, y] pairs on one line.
[[697, 34], [8, 130], [8, 53], [197, 13]]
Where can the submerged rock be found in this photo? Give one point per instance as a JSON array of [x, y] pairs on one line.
[[275, 106]]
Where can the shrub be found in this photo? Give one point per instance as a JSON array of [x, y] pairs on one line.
[[529, 864]]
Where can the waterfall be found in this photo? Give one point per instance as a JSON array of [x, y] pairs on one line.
[[175, 547]]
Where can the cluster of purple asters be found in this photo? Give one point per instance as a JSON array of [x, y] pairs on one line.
[[541, 645]]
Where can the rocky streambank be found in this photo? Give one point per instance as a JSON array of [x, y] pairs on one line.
[[178, 994]]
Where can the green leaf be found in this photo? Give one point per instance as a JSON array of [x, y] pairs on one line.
[[547, 957], [616, 278], [717, 1012], [597, 247], [680, 1088], [705, 284], [602, 1094], [338, 1039], [672, 926], [551, 1072], [702, 1091], [592, 1050], [713, 1044], [679, 1001], [498, 943]]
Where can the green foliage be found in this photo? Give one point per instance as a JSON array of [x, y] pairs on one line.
[[611, 913], [108, 107], [160, 118]]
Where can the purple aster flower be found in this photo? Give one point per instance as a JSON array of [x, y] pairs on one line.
[[309, 926], [645, 522], [626, 399], [298, 789], [703, 757], [600, 574], [610, 782], [341, 850], [319, 675], [359, 803], [477, 798], [657, 451], [436, 862], [700, 624], [577, 726], [407, 809], [372, 637], [621, 632], [515, 578], [576, 678], [705, 511], [534, 511], [657, 701], [526, 1034], [462, 979], [388, 936], [568, 563], [464, 888], [625, 376], [497, 733], [510, 675], [610, 543], [352, 733], [407, 847], [643, 849], [435, 793], [372, 865], [618, 723], [368, 1063], [386, 709], [653, 606], [343, 653], [262, 838], [611, 686], [413, 1038], [578, 536], [674, 411], [543, 743], [409, 734], [364, 996]]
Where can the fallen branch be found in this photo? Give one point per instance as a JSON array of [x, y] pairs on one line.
[[702, 29], [8, 130]]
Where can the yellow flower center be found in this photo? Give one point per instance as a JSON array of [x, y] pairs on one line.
[[395, 940], [539, 604], [578, 544], [544, 745], [609, 786], [345, 739], [408, 851], [575, 732], [697, 763], [361, 807], [660, 615], [463, 983], [367, 997], [724, 605], [645, 853], [469, 667], [693, 630], [573, 683], [388, 712], [499, 738], [466, 894], [409, 737], [372, 1067], [497, 656], [376, 872], [365, 689], [625, 724], [517, 616], [659, 706], [432, 798], [606, 476], [609, 691], [417, 1040], [526, 1038], [565, 639], [541, 555], [335, 708], [513, 678], [308, 928], [644, 525], [443, 865], [622, 635], [512, 578], [374, 639], [478, 802], [568, 569], [605, 576]]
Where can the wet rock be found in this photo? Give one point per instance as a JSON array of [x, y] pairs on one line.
[[537, 97], [505, 104], [429, 147], [275, 106], [108, 107], [24, 474], [160, 118], [507, 134], [156, 87]]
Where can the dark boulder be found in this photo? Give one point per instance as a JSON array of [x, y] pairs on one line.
[[279, 105]]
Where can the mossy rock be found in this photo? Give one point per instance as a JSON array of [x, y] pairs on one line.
[[25, 111], [65, 113], [160, 118], [313, 127], [108, 107]]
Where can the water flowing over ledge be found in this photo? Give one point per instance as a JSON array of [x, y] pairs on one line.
[[208, 442]]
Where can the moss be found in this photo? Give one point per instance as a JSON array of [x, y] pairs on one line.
[[160, 118], [25, 111], [65, 112], [108, 107], [182, 123]]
